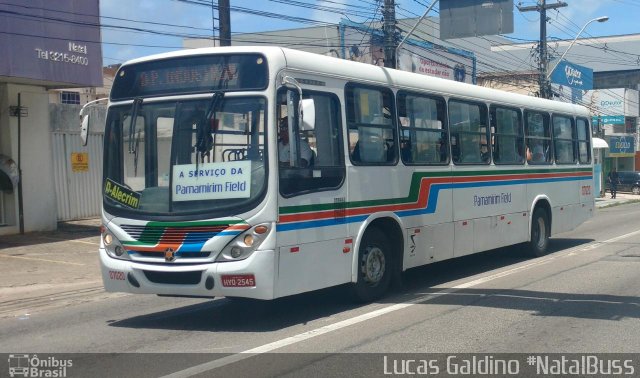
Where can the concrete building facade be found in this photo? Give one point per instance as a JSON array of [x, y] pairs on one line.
[[42, 49]]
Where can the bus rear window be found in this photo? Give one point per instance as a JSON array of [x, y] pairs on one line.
[[188, 75]]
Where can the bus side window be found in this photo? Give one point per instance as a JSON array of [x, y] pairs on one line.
[[325, 166], [422, 121], [584, 146], [372, 135], [538, 134], [564, 139], [469, 132], [507, 139]]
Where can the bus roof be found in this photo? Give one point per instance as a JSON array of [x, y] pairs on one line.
[[313, 62], [362, 72]]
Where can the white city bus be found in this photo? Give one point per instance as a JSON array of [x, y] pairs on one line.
[[384, 171]]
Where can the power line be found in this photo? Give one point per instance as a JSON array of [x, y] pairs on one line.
[[26, 16], [595, 40], [89, 41], [301, 44], [492, 58], [104, 17], [260, 13], [357, 11], [479, 48]]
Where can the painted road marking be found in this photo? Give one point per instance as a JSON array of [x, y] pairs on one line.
[[266, 348], [45, 260], [71, 241]]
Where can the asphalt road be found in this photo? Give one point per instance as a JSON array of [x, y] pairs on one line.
[[584, 297]]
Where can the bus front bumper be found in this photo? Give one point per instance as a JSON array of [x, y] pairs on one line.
[[249, 278]]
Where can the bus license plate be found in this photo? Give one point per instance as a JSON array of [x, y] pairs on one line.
[[239, 280]]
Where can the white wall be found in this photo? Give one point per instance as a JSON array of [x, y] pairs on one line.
[[39, 199], [9, 200], [79, 194]]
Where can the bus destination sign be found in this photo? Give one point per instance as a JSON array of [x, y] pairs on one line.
[[188, 75], [179, 77]]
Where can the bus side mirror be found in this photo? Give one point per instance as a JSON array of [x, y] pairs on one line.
[[84, 129], [308, 114], [84, 126]]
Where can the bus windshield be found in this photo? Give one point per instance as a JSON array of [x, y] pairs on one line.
[[204, 156]]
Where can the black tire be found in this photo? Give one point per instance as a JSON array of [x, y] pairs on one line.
[[540, 231], [635, 190], [375, 266]]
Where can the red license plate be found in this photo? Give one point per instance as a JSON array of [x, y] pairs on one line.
[[239, 280]]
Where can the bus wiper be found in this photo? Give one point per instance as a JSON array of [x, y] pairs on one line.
[[204, 139], [135, 154], [132, 125], [213, 105]]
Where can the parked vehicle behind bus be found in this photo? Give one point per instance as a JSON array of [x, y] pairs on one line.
[[629, 181]]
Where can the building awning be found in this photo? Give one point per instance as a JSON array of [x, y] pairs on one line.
[[599, 143]]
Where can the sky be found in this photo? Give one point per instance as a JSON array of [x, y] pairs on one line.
[[138, 28]]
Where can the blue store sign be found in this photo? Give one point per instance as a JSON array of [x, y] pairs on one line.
[[609, 120], [573, 75], [622, 146]]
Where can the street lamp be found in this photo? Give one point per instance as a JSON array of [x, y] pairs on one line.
[[599, 19]]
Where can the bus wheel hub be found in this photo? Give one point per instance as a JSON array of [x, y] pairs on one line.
[[374, 265]]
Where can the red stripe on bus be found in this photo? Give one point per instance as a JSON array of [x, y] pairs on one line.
[[423, 197]]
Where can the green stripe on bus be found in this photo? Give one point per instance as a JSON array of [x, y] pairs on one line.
[[195, 224], [415, 187], [151, 236]]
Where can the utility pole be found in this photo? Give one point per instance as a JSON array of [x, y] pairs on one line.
[[542, 6], [389, 30], [213, 24], [224, 13]]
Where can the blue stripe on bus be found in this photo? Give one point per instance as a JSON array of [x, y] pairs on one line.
[[230, 233], [433, 198], [431, 204], [190, 247]]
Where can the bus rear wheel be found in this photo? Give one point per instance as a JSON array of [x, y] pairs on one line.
[[540, 231], [374, 266]]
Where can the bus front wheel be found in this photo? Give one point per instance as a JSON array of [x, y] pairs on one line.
[[540, 231], [374, 266]]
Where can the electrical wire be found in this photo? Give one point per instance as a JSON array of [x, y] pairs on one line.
[[309, 42]]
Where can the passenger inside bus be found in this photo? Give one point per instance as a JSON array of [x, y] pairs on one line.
[[405, 150], [538, 153], [535, 152]]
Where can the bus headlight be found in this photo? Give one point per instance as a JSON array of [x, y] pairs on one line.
[[118, 250], [112, 245], [236, 252], [243, 245]]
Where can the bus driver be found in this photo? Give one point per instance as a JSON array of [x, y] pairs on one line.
[[306, 154]]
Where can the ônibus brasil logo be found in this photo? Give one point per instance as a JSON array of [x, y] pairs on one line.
[[24, 365]]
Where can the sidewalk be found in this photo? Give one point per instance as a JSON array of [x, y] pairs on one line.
[[621, 198], [44, 270]]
